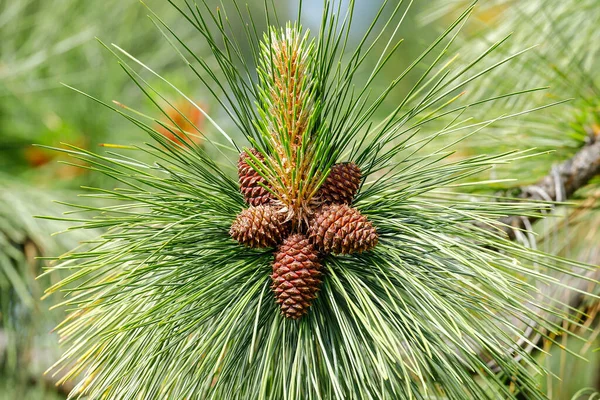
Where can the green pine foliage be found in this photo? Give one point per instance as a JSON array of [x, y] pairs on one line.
[[166, 305]]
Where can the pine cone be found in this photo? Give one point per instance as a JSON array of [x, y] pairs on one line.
[[338, 228], [260, 226], [296, 276], [250, 180], [341, 184]]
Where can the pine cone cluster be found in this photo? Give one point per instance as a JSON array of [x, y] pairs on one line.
[[334, 227]]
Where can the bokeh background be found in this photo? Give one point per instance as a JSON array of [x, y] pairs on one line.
[[44, 43]]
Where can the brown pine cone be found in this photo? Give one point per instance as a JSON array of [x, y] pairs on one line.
[[296, 276], [341, 229], [260, 226], [250, 180], [341, 184]]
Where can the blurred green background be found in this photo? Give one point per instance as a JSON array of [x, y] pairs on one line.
[[44, 43]]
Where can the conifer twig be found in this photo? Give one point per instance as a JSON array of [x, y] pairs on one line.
[[559, 185], [165, 303]]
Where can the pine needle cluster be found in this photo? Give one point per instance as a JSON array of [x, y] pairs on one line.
[[166, 304], [287, 111]]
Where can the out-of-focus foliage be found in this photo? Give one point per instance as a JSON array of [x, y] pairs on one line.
[[44, 43], [8, 391], [26, 348], [39, 51], [560, 37]]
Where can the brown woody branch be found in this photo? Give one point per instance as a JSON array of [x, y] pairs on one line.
[[559, 185]]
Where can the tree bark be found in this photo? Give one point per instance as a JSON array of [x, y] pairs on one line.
[[559, 185]]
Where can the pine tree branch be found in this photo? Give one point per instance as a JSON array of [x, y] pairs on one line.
[[559, 185], [157, 300]]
